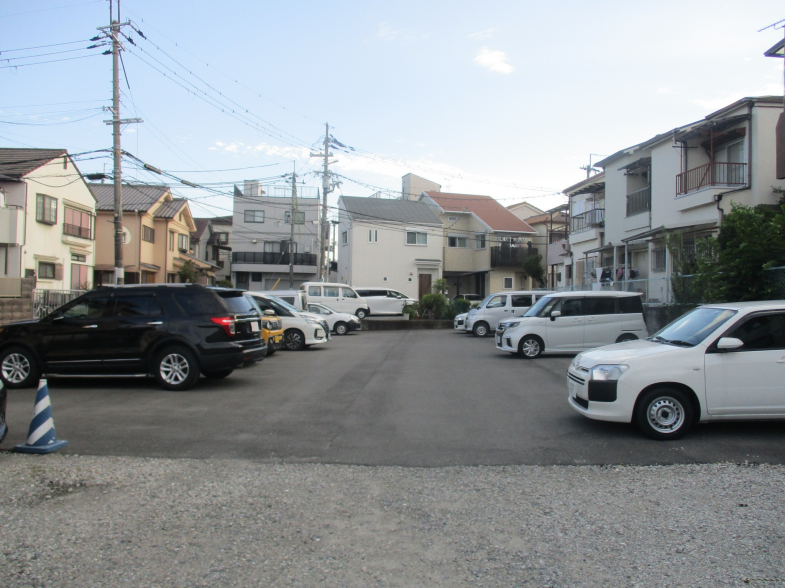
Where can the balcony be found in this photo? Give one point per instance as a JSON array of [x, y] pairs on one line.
[[10, 224], [557, 236], [711, 174], [269, 258], [505, 256], [590, 219], [77, 231], [639, 201]]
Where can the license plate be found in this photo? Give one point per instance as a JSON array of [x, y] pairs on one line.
[[254, 327]]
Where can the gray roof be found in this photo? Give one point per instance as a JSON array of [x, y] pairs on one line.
[[169, 209], [401, 211], [15, 163], [137, 197]]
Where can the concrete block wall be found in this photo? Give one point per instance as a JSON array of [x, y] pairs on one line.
[[18, 309]]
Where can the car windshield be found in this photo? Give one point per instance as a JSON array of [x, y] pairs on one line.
[[283, 303], [542, 306], [484, 302], [253, 303], [693, 327]]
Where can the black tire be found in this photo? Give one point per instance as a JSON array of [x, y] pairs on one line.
[[270, 347], [361, 313], [530, 347], [18, 368], [294, 340], [480, 329], [176, 368], [218, 374], [626, 337], [341, 328], [664, 413]]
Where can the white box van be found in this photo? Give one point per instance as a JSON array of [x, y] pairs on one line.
[[294, 298], [384, 300], [339, 297], [569, 322], [498, 307]]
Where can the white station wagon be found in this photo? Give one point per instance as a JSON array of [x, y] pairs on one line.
[[717, 362]]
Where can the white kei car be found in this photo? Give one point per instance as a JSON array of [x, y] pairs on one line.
[[459, 322], [717, 362], [340, 322]]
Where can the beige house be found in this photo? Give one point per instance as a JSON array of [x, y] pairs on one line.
[[47, 219], [156, 236]]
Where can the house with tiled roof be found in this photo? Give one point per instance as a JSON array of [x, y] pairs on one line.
[[157, 232], [210, 242], [484, 244], [47, 219]]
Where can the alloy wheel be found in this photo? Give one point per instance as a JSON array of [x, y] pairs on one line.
[[531, 348], [174, 368], [16, 368]]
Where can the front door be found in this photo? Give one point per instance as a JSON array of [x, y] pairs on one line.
[[565, 332], [749, 380], [76, 341], [242, 280], [497, 310], [425, 284]]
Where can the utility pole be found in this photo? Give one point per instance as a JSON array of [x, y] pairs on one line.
[[326, 189], [292, 217]]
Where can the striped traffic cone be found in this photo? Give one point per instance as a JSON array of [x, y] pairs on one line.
[[41, 437]]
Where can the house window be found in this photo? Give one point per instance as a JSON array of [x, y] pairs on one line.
[[373, 236], [79, 280], [658, 259], [507, 283], [299, 217], [77, 223], [272, 246], [479, 241], [148, 234], [77, 257], [171, 240], [256, 276], [254, 216], [45, 209], [452, 219], [384, 279], [222, 238], [461, 242], [182, 242], [416, 238], [46, 271], [345, 238]]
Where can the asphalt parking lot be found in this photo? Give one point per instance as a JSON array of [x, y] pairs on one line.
[[408, 398]]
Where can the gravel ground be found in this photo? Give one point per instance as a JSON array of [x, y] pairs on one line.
[[102, 521]]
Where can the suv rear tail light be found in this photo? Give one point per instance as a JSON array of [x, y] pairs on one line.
[[227, 323]]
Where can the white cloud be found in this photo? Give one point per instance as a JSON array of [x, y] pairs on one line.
[[482, 34], [386, 33], [493, 60], [261, 149], [712, 104]]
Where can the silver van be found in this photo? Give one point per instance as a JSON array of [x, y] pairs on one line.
[[500, 306]]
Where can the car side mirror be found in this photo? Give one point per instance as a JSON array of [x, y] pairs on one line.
[[554, 314], [729, 343], [269, 312]]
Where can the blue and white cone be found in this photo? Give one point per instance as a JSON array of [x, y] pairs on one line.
[[41, 437]]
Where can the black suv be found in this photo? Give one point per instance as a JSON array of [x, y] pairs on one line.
[[171, 331]]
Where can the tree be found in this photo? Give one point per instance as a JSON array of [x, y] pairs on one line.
[[225, 283], [532, 267], [188, 272]]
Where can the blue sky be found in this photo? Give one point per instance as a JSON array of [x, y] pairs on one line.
[[507, 98]]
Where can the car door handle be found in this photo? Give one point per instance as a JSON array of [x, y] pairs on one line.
[[90, 327], [156, 323]]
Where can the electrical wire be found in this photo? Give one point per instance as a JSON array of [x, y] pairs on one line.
[[50, 61], [51, 8], [43, 46]]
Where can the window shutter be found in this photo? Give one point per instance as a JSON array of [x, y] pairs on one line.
[[58, 271]]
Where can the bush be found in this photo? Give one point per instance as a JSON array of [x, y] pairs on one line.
[[434, 305], [460, 306], [225, 283]]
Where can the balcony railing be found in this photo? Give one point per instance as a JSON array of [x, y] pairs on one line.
[[504, 256], [712, 174], [272, 258], [77, 231], [588, 220], [639, 201], [556, 236]]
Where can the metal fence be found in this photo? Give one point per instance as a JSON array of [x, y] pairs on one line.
[[46, 301]]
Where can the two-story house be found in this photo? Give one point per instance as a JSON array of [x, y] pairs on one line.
[[395, 244], [47, 219], [261, 238], [551, 227], [210, 242], [586, 240], [156, 236]]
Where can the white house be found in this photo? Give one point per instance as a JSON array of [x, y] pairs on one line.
[[47, 219], [389, 243]]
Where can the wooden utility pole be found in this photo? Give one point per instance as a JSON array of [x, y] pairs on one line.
[[292, 218]]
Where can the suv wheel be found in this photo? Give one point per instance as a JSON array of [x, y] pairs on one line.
[[18, 368], [480, 329], [341, 328], [530, 347], [664, 413], [294, 340], [176, 368], [361, 313]]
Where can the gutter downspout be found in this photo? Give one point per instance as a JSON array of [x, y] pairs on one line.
[[24, 242], [139, 259]]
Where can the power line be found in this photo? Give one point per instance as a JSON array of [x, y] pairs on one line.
[[50, 61], [51, 8], [43, 46]]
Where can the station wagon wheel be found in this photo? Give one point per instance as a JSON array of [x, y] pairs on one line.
[[664, 413], [18, 368], [361, 313], [176, 368], [530, 347], [480, 329], [626, 337], [341, 328], [294, 340]]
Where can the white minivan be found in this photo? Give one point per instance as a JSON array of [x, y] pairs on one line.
[[498, 307], [339, 297], [569, 322], [384, 300]]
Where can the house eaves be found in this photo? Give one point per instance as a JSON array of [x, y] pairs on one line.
[[489, 212]]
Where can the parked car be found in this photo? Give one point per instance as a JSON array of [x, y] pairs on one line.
[[569, 322], [340, 322], [3, 426], [173, 332], [717, 362], [384, 300], [469, 297], [272, 330], [294, 298], [341, 297], [498, 307], [300, 329], [459, 322]]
